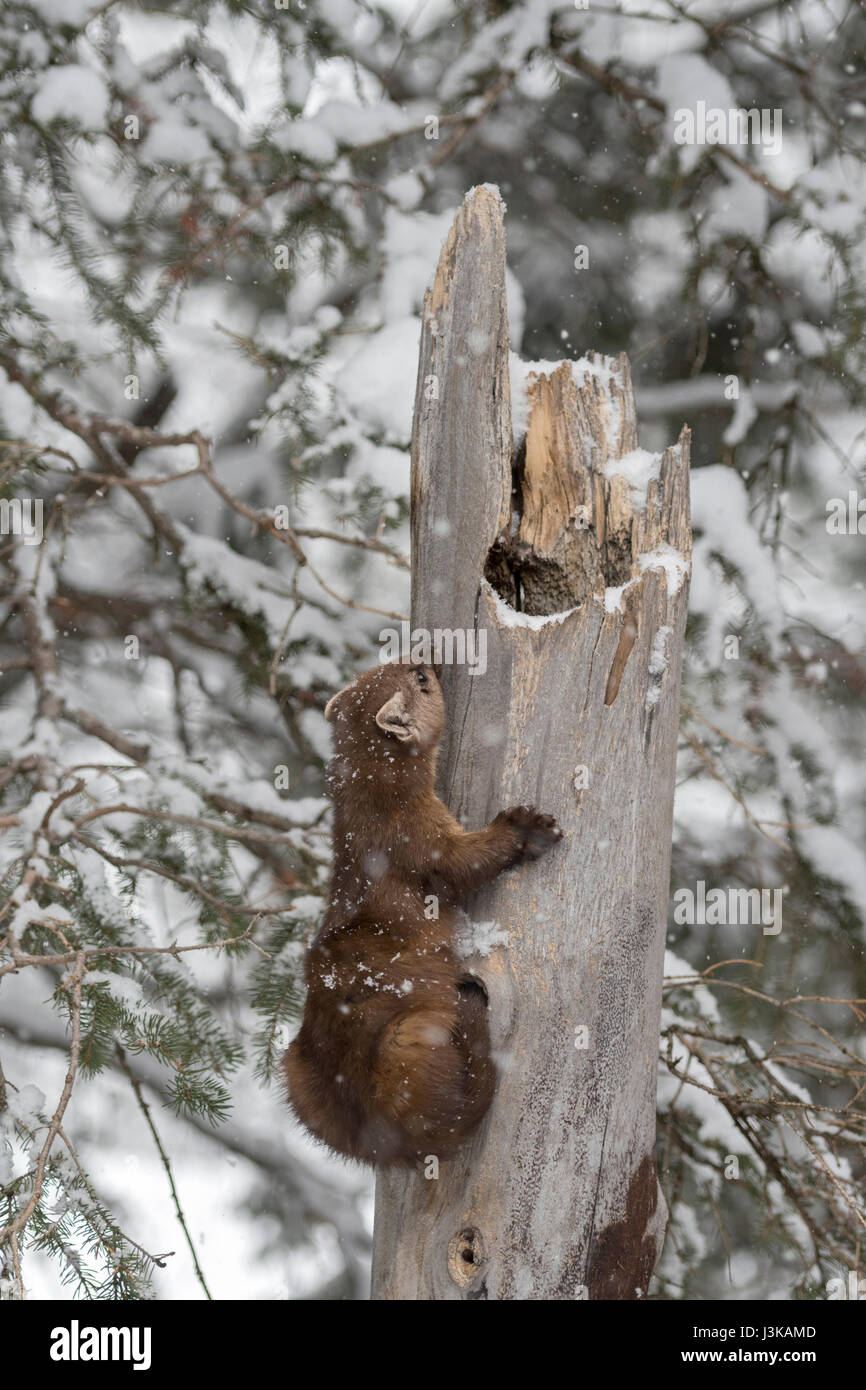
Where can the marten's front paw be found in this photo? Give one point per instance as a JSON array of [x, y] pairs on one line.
[[535, 833]]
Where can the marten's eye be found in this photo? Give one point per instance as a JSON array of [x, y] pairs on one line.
[[422, 677]]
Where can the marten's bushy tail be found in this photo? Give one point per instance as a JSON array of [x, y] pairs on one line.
[[430, 1085], [433, 1078]]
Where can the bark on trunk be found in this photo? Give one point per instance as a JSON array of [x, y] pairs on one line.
[[580, 581]]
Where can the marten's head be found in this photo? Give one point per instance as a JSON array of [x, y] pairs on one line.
[[394, 706]]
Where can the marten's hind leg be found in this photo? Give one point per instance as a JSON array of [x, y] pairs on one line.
[[433, 1075]]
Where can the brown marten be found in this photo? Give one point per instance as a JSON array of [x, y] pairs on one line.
[[392, 1061]]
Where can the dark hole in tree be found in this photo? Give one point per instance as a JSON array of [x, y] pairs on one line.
[[465, 1256]]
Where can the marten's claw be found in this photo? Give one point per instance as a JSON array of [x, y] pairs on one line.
[[537, 832]]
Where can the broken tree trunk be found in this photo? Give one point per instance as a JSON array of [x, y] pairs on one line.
[[577, 568]]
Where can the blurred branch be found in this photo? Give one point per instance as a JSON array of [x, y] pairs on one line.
[[635, 94], [21, 959], [14, 1227]]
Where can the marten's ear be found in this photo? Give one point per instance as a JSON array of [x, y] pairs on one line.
[[331, 710], [393, 718]]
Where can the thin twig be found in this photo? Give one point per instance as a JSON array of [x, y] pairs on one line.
[[145, 1110], [21, 960], [749, 747]]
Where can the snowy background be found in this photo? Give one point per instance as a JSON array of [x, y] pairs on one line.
[[217, 222]]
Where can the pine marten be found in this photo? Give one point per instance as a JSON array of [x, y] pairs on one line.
[[392, 1061]]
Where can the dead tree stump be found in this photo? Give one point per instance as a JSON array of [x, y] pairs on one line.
[[573, 554]]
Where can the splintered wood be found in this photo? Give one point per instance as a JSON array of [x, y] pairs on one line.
[[582, 525], [572, 553]]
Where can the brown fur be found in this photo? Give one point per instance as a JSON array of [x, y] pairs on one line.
[[392, 1061]]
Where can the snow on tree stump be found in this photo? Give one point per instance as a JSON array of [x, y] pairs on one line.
[[573, 555]]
